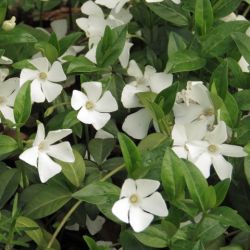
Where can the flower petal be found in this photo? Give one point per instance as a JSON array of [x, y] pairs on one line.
[[137, 124], [138, 219], [30, 156], [128, 188], [121, 208], [40, 134], [155, 204], [51, 90], [7, 113], [37, 94], [60, 27], [134, 70], [56, 73], [107, 103], [93, 90], [28, 75], [145, 187], [203, 162], [196, 148], [179, 135], [91, 9], [9, 86], [54, 136], [95, 226], [244, 65], [47, 168], [42, 64], [78, 99], [61, 151], [108, 3], [124, 56], [222, 167], [219, 134], [97, 119], [232, 150], [129, 98], [160, 81], [180, 151], [91, 54]]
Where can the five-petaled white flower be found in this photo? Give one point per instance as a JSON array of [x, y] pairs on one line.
[[211, 150], [94, 107], [43, 148], [8, 92], [44, 79], [139, 202]]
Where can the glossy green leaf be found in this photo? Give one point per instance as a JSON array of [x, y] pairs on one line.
[[223, 8], [243, 99], [203, 16], [185, 60], [23, 104], [68, 41], [7, 146], [48, 50], [3, 9], [75, 171], [111, 46], [175, 43]]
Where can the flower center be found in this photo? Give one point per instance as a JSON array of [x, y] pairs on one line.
[[209, 112], [89, 105], [43, 75], [212, 148], [42, 147], [133, 199]]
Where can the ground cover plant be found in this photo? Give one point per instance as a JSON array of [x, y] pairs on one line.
[[124, 124]]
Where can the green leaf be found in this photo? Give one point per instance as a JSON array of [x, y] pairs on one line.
[[92, 244], [80, 65], [229, 111], [170, 13], [16, 36], [131, 156], [218, 40], [46, 202], [153, 236], [100, 149], [68, 41], [3, 9], [24, 64], [172, 175], [7, 146], [175, 43], [243, 43], [23, 105], [48, 50], [219, 79], [209, 229], [247, 167], [9, 181], [75, 171], [243, 99], [223, 8], [196, 184], [111, 45], [185, 60], [203, 16], [221, 189], [97, 192], [166, 98], [229, 217]]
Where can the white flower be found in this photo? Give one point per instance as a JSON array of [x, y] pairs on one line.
[[233, 17], [43, 148], [95, 226], [5, 60], [193, 104], [8, 92], [150, 80], [4, 72], [9, 25], [138, 202], [211, 151], [95, 24], [44, 79], [94, 107], [183, 134]]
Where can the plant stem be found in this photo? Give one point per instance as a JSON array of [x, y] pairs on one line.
[[41, 14], [77, 204], [18, 138], [246, 11]]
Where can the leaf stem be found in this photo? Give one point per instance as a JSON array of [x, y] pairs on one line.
[[77, 204], [18, 138]]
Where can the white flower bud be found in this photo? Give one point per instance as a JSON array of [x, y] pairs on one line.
[[9, 24]]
